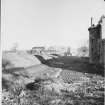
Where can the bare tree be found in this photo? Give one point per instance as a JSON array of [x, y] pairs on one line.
[[14, 47], [5, 63], [83, 51]]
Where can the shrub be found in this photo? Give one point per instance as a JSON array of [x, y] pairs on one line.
[[5, 63]]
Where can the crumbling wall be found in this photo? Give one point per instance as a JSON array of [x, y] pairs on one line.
[[94, 43]]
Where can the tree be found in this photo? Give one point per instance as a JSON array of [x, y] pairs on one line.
[[5, 63], [83, 51]]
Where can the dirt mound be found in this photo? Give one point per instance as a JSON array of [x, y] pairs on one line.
[[20, 59]]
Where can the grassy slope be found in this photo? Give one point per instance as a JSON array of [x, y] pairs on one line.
[[20, 59], [74, 63], [26, 75]]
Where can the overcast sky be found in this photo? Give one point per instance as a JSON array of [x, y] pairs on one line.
[[48, 22]]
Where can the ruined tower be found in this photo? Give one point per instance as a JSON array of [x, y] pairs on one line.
[[94, 43], [97, 42]]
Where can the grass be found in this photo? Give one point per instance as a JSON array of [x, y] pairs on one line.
[[30, 95], [21, 92], [80, 64]]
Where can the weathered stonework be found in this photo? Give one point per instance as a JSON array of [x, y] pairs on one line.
[[94, 43], [97, 42]]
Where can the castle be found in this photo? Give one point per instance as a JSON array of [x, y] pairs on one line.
[[97, 42]]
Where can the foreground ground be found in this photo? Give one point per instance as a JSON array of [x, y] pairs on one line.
[[55, 83]]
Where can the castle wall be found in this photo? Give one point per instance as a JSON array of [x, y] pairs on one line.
[[97, 42], [103, 28], [103, 53], [94, 43]]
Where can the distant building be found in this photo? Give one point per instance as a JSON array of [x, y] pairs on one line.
[[37, 50], [68, 52], [51, 50], [59, 50], [97, 42]]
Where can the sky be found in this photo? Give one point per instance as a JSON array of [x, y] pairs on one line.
[[32, 23]]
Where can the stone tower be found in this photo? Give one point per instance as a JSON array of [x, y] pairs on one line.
[[94, 43], [97, 42]]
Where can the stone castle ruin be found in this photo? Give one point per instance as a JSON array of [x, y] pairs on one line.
[[97, 42]]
